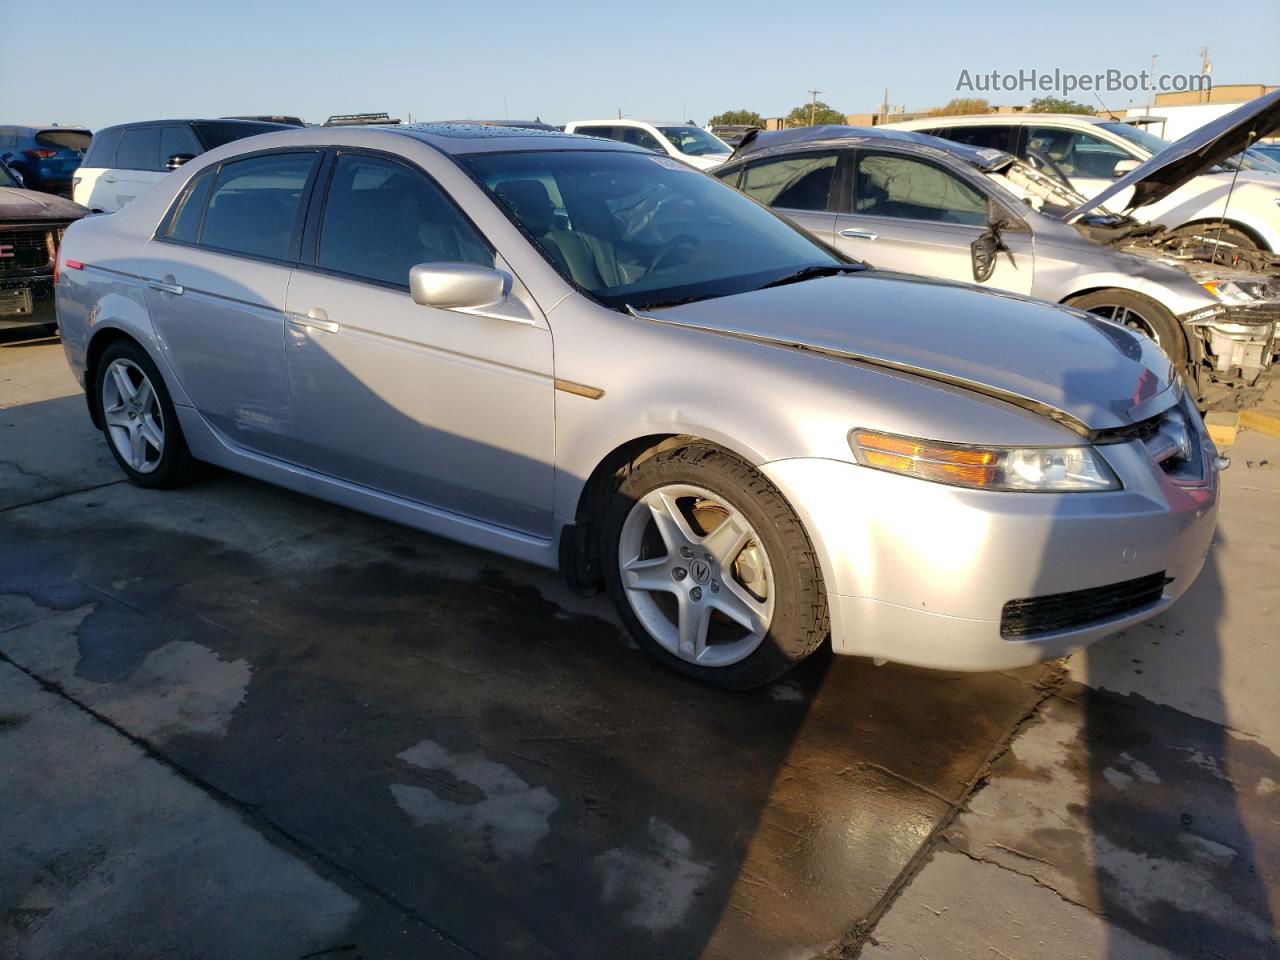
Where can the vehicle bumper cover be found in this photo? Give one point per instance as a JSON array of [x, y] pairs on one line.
[[42, 305], [919, 572]]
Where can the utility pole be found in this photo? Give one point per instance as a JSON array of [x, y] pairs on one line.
[[1151, 83], [884, 107], [1206, 68], [813, 106]]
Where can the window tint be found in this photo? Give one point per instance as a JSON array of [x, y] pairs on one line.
[[796, 183], [609, 133], [638, 137], [184, 221], [888, 185], [1077, 154], [102, 150], [139, 149], [382, 217], [255, 204], [177, 139], [214, 134], [994, 137]]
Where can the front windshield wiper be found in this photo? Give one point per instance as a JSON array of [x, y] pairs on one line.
[[816, 270], [677, 302]]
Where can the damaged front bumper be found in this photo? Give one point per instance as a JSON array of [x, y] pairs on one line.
[[1237, 340]]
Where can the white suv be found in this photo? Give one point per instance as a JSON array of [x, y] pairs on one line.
[[1092, 152], [124, 160], [684, 141]]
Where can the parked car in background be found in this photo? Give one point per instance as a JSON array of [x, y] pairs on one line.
[[915, 203], [31, 227], [683, 141], [731, 134], [1091, 153], [360, 120], [1271, 149], [286, 119], [578, 353], [45, 157], [125, 160]]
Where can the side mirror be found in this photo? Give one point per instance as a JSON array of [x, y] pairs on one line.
[[1124, 167], [983, 252], [177, 160], [456, 286]]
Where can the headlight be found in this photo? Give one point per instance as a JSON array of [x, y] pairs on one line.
[[1026, 469], [1242, 291]]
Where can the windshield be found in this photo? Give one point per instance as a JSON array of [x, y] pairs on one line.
[[695, 142], [642, 230], [1137, 135]]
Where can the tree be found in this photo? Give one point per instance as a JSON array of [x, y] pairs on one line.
[[1058, 105], [747, 117], [960, 106], [808, 114]]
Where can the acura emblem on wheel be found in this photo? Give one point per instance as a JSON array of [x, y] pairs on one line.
[[701, 571]]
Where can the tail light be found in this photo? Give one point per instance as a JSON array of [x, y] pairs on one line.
[[41, 154]]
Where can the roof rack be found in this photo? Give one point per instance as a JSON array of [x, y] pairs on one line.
[[358, 119]]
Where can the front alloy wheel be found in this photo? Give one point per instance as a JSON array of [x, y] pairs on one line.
[[696, 575]]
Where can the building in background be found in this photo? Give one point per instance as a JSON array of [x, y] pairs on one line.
[[1174, 115]]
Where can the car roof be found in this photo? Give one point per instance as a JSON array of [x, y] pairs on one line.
[[1006, 118], [624, 121], [813, 138], [455, 139], [228, 120]]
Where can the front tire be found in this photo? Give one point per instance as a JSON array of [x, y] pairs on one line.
[[711, 570], [138, 418], [1141, 314]]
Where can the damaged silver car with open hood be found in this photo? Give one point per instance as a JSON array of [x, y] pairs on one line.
[[918, 204]]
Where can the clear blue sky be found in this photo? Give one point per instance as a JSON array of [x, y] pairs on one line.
[[99, 63]]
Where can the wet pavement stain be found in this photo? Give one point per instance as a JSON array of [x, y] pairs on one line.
[[686, 821]]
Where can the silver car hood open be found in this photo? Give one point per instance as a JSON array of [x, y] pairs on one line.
[[1191, 156], [1085, 372]]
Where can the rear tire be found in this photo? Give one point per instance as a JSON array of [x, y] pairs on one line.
[[697, 542], [1142, 314], [138, 419]]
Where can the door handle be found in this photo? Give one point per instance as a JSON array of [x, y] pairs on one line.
[[315, 318], [166, 286], [859, 235]]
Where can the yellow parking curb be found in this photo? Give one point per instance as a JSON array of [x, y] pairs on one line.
[[1222, 427], [1262, 422]]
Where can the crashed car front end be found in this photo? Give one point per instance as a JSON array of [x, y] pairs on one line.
[[1239, 333]]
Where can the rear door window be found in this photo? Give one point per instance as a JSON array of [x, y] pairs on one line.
[[139, 149], [798, 182], [994, 137], [255, 205], [102, 150], [608, 133], [382, 217]]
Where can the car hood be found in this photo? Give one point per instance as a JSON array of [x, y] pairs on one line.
[[17, 203], [1194, 154], [1085, 372]]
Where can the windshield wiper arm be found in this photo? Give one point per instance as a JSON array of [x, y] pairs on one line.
[[817, 270]]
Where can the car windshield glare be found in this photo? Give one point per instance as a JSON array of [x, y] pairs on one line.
[[632, 229], [1145, 139], [695, 142]]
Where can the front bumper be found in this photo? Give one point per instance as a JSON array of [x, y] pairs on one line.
[[919, 572], [42, 303]]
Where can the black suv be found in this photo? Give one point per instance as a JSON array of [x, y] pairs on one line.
[[45, 157], [31, 225]]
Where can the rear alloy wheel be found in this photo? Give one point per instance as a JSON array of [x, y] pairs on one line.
[[1140, 314], [711, 570], [138, 418]]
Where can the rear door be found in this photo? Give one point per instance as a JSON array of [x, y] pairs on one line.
[[95, 181], [444, 408], [801, 186], [910, 214], [221, 266]]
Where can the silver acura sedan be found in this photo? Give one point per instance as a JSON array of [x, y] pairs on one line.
[[577, 353]]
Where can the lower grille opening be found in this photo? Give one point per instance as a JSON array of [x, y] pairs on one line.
[[1079, 608]]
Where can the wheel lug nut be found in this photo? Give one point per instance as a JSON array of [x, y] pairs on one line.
[[715, 586], [679, 573], [686, 553], [710, 558], [696, 593]]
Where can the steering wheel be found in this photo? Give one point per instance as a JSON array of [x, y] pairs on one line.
[[1042, 162], [679, 240]]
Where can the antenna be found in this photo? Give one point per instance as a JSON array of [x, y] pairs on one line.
[[1108, 110]]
